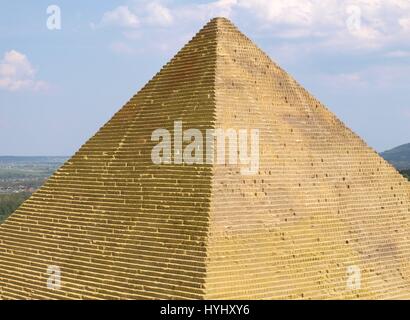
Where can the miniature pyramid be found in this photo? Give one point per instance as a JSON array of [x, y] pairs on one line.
[[321, 206]]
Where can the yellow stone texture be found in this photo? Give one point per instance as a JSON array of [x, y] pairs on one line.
[[121, 227]]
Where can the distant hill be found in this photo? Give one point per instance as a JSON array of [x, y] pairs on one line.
[[31, 159], [399, 157]]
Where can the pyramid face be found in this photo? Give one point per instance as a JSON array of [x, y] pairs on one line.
[[321, 207]]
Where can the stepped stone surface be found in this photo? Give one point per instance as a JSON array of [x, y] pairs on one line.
[[119, 226]]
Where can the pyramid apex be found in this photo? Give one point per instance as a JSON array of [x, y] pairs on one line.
[[217, 19], [220, 21]]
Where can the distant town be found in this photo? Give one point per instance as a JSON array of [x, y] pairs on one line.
[[21, 176]]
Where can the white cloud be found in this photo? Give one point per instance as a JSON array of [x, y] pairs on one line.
[[293, 12], [374, 21], [340, 23], [149, 13], [159, 15], [405, 23], [17, 73], [398, 54], [121, 17], [220, 8], [332, 25]]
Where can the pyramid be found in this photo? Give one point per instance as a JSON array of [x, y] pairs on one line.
[[321, 206]]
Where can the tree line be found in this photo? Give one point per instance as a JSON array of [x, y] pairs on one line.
[[10, 202]]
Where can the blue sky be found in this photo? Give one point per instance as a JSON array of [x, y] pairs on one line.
[[57, 87]]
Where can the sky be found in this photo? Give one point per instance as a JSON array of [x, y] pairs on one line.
[[67, 66]]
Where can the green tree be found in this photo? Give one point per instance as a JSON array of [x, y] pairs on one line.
[[406, 173], [10, 202]]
